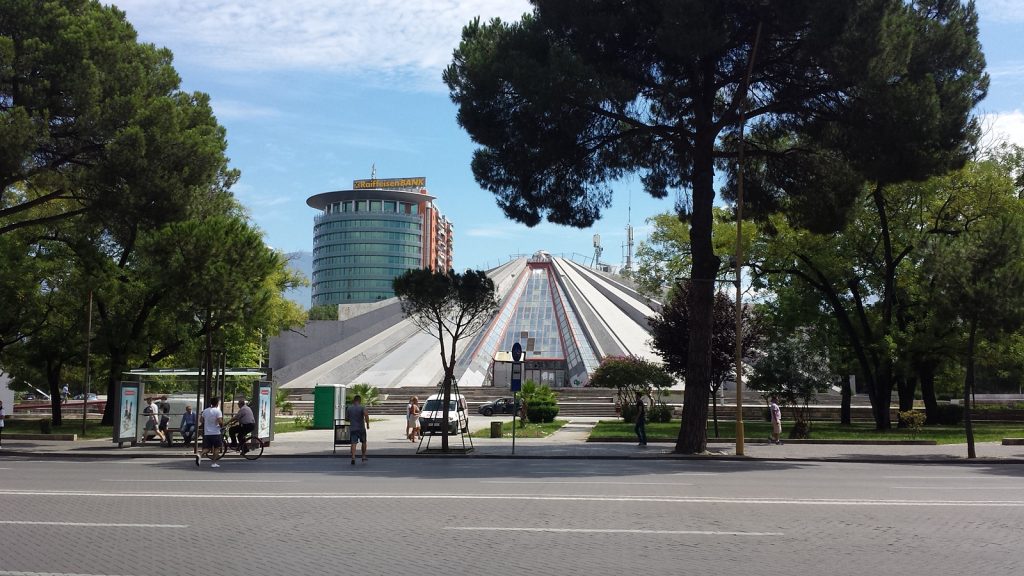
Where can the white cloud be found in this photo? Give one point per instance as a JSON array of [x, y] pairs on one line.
[[230, 109], [1001, 10], [391, 41], [1011, 72], [488, 232], [1002, 127]]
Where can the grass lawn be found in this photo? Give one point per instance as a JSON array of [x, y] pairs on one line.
[[282, 426], [93, 429], [668, 431], [523, 430]]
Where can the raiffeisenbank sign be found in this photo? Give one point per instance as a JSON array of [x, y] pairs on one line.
[[390, 183]]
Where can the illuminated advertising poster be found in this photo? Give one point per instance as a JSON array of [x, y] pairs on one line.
[[263, 415], [127, 411]]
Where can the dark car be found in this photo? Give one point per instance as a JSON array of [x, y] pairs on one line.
[[499, 406]]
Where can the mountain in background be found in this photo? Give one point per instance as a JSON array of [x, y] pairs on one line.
[[301, 262]]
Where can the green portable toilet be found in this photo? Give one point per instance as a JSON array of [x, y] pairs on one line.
[[328, 405]]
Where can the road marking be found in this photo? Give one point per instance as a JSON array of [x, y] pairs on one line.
[[955, 487], [16, 573], [144, 480], [583, 482], [971, 478], [533, 497], [91, 524], [612, 531]]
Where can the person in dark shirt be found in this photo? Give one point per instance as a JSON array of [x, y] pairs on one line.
[[358, 423]]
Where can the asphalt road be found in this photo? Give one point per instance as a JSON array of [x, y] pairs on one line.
[[481, 516]]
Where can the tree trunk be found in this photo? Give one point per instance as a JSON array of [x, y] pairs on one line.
[[968, 389], [116, 364], [882, 400], [446, 397], [907, 386], [53, 371], [926, 374], [693, 433], [844, 409]]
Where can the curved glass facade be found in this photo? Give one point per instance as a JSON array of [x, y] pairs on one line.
[[362, 240]]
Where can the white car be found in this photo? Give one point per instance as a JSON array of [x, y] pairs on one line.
[[432, 415]]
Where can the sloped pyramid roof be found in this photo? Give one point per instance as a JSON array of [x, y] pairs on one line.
[[557, 309]]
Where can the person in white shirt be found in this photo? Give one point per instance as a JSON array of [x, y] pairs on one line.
[[212, 419], [776, 421], [1, 422]]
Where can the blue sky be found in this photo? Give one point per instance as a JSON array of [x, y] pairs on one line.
[[314, 92]]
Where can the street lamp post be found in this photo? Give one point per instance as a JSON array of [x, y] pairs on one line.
[[739, 243], [88, 351]]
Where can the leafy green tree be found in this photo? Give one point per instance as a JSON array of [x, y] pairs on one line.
[[664, 257], [324, 312], [79, 92], [870, 278], [579, 93], [449, 306], [21, 275], [981, 275], [670, 330], [793, 370], [631, 377]]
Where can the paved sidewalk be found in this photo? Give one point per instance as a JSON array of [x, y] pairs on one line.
[[387, 439]]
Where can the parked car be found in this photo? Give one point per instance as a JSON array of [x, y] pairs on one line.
[[91, 397], [500, 406], [432, 415]]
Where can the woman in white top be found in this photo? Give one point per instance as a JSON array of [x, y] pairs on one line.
[[413, 419], [1, 422]]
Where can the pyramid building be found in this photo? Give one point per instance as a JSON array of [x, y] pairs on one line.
[[565, 315]]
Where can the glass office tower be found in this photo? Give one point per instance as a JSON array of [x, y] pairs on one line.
[[365, 237]]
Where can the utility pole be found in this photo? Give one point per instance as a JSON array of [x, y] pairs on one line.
[[739, 242]]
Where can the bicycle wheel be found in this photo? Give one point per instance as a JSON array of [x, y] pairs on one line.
[[253, 449], [218, 453]]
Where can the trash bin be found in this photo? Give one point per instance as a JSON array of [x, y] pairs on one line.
[[496, 429]]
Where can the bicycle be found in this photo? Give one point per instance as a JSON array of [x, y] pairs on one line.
[[251, 448]]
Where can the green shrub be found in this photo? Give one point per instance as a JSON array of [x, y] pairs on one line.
[[368, 395], [801, 430], [950, 414], [537, 413], [661, 412], [912, 420], [45, 426], [629, 413]]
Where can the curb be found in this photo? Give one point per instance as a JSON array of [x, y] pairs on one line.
[[600, 440], [659, 457]]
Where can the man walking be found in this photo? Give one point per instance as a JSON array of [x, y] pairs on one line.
[[776, 421], [246, 424], [358, 423], [213, 419], [640, 426]]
